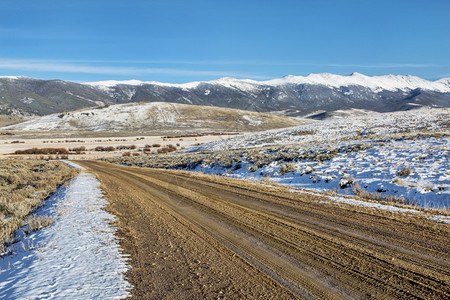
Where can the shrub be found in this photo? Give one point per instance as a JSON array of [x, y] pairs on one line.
[[253, 168], [167, 149], [126, 147], [428, 189], [101, 148], [405, 171], [346, 181], [78, 149], [286, 168], [43, 151]]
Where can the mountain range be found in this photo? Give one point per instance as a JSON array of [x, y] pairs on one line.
[[290, 95]]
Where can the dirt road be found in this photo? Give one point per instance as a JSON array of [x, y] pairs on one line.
[[197, 236]]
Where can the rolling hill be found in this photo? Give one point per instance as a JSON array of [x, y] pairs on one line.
[[157, 116]]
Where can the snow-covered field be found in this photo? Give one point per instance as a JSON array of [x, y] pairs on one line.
[[402, 154], [331, 131], [77, 257]]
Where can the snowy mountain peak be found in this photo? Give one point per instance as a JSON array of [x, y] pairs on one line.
[[358, 74], [13, 77], [375, 83], [111, 83]]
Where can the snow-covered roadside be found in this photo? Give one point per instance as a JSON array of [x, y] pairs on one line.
[[381, 206], [77, 257]]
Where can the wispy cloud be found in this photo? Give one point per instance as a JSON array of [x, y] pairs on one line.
[[257, 62], [87, 64], [68, 66], [180, 68], [385, 66]]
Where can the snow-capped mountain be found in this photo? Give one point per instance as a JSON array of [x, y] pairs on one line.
[[375, 83], [295, 95]]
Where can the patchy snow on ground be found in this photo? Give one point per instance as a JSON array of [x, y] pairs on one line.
[[77, 257], [376, 125], [371, 151], [391, 208]]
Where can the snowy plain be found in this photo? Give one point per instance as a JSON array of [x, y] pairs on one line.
[[77, 257]]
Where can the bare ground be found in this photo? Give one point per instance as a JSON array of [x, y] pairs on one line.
[[197, 236]]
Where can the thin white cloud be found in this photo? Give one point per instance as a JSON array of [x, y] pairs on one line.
[[385, 66], [63, 66], [73, 64]]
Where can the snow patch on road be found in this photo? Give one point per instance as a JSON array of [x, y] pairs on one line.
[[77, 257]]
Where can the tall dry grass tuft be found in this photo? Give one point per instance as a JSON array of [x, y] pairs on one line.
[[37, 222], [360, 192]]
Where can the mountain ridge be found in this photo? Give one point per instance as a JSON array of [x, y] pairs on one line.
[[291, 95], [403, 81]]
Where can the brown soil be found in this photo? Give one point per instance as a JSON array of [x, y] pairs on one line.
[[196, 236]]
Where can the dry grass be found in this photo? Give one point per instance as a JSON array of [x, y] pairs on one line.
[[6, 120], [37, 222], [220, 118], [24, 184], [360, 192]]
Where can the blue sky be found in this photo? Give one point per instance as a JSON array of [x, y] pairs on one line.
[[180, 41]]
